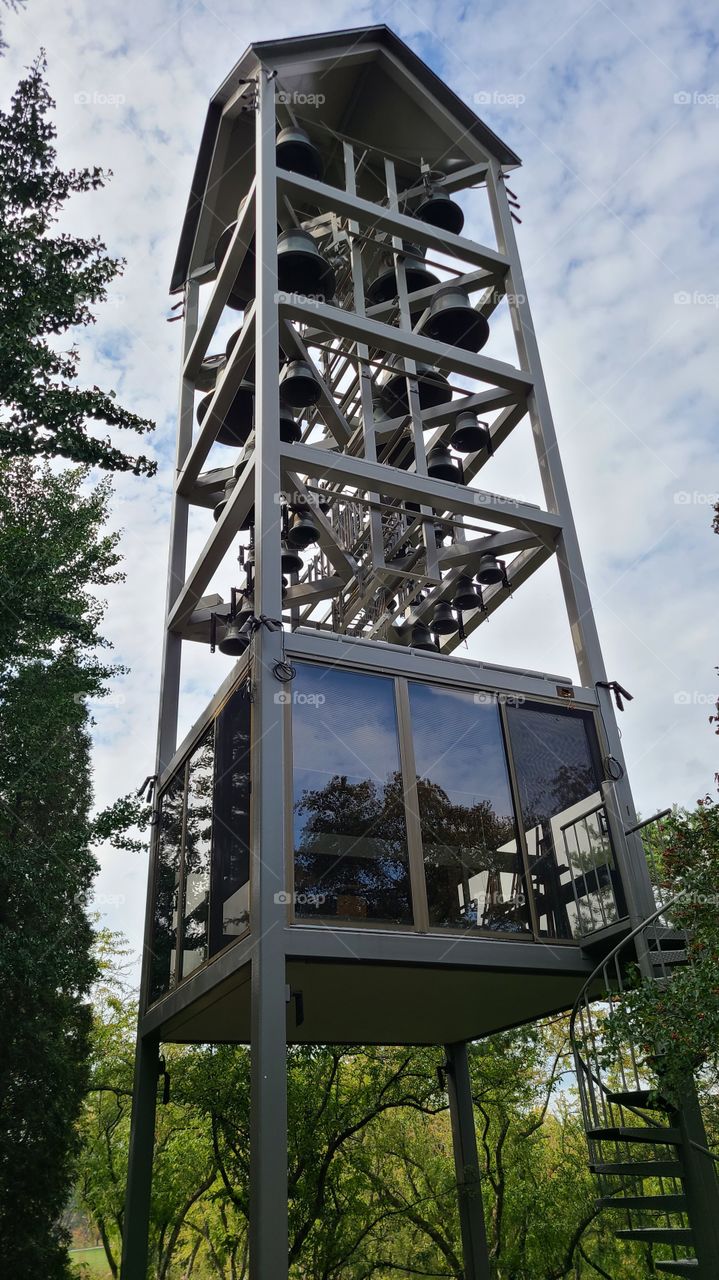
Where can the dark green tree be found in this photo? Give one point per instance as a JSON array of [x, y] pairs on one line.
[[48, 285]]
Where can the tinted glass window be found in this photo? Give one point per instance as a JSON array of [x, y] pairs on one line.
[[349, 825], [230, 895], [198, 843], [573, 875], [167, 881], [473, 865]]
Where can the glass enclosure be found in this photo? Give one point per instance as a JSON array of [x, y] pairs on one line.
[[413, 805]]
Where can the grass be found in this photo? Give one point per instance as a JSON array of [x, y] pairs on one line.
[[94, 1260]]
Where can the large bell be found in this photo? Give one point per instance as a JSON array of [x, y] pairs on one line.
[[302, 532], [295, 151], [244, 287], [438, 210], [470, 435], [237, 424], [490, 570], [434, 388], [453, 319], [444, 622], [290, 428], [418, 276], [421, 637], [301, 267], [442, 466], [208, 371], [291, 561], [299, 384], [466, 596]]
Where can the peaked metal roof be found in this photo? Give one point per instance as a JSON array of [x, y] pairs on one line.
[[265, 51]]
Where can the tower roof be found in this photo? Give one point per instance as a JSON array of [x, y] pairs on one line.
[[354, 83]]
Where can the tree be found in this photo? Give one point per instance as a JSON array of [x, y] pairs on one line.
[[48, 284]]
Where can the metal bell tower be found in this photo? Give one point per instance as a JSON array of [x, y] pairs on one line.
[[366, 837]]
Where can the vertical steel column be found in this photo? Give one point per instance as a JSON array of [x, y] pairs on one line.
[[466, 1164], [139, 1167], [268, 1095], [585, 637], [700, 1184]]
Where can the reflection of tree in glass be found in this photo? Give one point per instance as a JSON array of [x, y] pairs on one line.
[[231, 833], [198, 841], [166, 878], [353, 843]]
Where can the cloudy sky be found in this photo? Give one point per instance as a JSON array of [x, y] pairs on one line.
[[615, 113]]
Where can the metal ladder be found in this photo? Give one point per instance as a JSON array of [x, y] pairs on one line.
[[636, 1147]]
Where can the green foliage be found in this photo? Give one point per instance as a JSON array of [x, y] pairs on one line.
[[48, 284]]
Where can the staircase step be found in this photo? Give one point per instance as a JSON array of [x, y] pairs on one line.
[[662, 1204], [640, 1168], [622, 1134], [649, 1099], [678, 1266], [656, 1235], [660, 958]]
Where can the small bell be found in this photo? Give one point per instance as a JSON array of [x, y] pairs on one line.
[[236, 637], [444, 622], [421, 637], [470, 435], [442, 466], [243, 290], [453, 319], [418, 276], [302, 532], [490, 570], [438, 210], [290, 429], [466, 596], [291, 561], [299, 384], [433, 386], [301, 267], [296, 152]]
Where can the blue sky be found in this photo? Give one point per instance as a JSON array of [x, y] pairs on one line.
[[615, 112]]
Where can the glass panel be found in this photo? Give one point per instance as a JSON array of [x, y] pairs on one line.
[[574, 879], [198, 842], [349, 826], [230, 896], [167, 882], [472, 861]]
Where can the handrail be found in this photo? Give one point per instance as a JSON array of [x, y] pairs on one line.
[[630, 831]]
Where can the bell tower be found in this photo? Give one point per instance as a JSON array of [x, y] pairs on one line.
[[367, 836]]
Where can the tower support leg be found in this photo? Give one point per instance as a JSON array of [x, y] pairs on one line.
[[700, 1184], [466, 1163], [136, 1221]]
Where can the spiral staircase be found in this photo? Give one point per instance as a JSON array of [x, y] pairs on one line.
[[654, 1172]]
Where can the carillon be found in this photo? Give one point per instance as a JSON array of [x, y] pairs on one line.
[[439, 210], [453, 319], [301, 267], [295, 151]]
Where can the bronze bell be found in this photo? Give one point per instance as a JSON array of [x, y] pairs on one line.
[[296, 152], [444, 622], [235, 639], [433, 386], [418, 276], [237, 424], [291, 561], [421, 637], [442, 466], [466, 596], [438, 210], [302, 532], [208, 371], [470, 435], [453, 319], [244, 287], [290, 429], [490, 570], [299, 384], [301, 267]]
